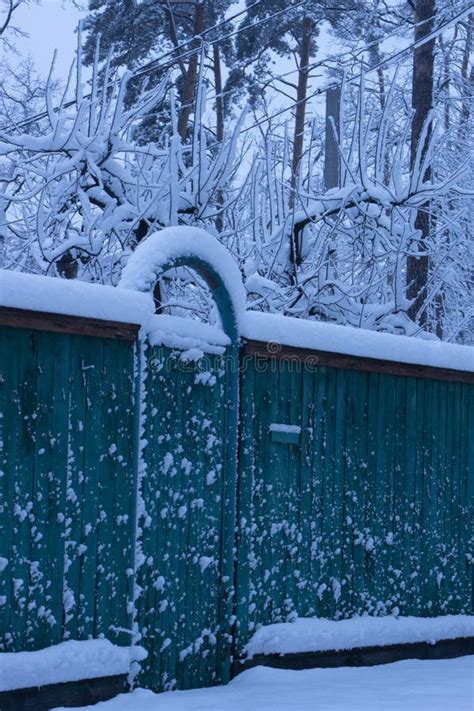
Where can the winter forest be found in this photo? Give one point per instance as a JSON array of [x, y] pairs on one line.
[[327, 144]]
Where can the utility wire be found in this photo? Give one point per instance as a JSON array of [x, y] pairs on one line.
[[328, 60], [387, 61], [354, 53], [225, 21], [151, 66]]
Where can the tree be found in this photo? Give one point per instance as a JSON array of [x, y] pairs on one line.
[[134, 33], [8, 9], [82, 194], [276, 28], [81, 187], [424, 12], [370, 217]]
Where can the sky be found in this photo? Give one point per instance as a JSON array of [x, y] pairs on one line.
[[48, 26]]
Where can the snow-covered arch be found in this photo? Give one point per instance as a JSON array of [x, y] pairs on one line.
[[194, 248]]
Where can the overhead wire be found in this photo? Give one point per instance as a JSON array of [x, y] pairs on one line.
[[151, 66], [351, 53], [387, 61]]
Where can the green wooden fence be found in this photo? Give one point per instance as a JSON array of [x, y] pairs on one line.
[[67, 489], [186, 490], [371, 511], [353, 492]]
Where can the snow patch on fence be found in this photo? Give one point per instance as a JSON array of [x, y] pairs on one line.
[[314, 634], [71, 297], [285, 429], [132, 302], [67, 661], [172, 243], [301, 333], [185, 334]]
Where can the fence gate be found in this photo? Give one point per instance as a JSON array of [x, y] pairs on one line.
[[188, 505]]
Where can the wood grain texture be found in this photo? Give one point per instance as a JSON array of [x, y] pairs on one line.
[[68, 487], [59, 323]]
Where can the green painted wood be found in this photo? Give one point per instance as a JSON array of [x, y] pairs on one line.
[[8, 412], [304, 400], [468, 538], [23, 574], [56, 433], [198, 565], [327, 505], [186, 497], [339, 581], [44, 548], [57, 480], [384, 480], [370, 510], [248, 496], [317, 483]]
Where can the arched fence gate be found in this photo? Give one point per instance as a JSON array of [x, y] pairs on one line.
[[188, 470], [126, 512]]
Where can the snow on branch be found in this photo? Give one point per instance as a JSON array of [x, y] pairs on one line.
[[80, 196], [340, 254]]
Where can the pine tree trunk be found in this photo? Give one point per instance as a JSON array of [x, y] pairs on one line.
[[468, 81], [190, 80], [332, 161], [219, 126], [298, 140], [422, 103]]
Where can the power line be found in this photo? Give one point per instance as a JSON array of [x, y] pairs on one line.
[[389, 60], [353, 53], [219, 40], [151, 65], [225, 21]]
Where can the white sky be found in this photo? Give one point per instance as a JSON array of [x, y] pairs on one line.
[[50, 25]]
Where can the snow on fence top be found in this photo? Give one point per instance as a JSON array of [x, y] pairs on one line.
[[347, 340], [73, 298], [67, 661], [314, 634], [186, 334], [183, 245]]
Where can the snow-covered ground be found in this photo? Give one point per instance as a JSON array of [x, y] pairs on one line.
[[412, 685], [67, 661], [313, 634]]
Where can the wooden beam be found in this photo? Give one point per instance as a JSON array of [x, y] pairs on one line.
[[313, 359], [60, 323], [359, 656]]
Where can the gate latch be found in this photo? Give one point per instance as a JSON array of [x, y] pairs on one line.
[[287, 434]]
